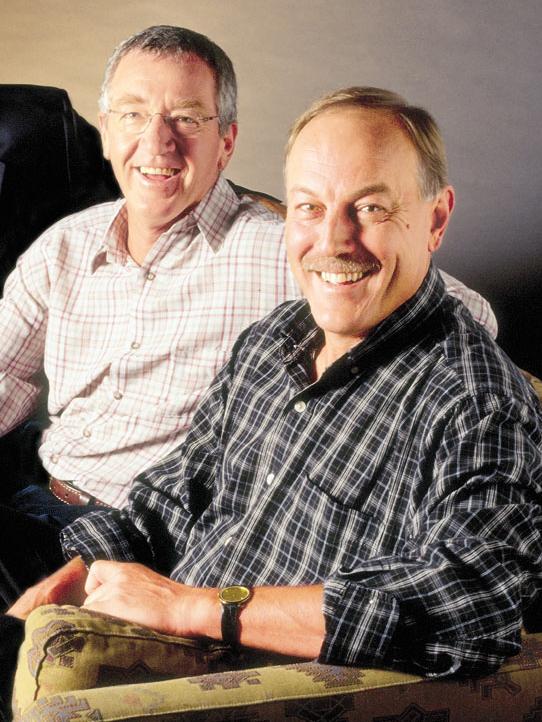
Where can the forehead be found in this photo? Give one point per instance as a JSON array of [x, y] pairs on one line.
[[343, 145], [147, 74]]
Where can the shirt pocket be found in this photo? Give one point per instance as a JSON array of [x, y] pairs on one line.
[[350, 528]]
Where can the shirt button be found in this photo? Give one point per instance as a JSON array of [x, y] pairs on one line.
[[150, 276], [87, 433], [117, 395], [354, 370], [300, 406], [135, 344], [54, 458], [270, 478]]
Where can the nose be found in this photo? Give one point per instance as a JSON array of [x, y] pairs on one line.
[[339, 234], [158, 135]]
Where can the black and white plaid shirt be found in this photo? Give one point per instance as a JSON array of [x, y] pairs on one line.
[[407, 479]]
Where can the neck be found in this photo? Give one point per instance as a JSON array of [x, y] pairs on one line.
[[331, 351], [139, 248], [141, 238]]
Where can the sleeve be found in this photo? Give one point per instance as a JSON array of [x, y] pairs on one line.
[[451, 601], [23, 325], [164, 502], [479, 308]]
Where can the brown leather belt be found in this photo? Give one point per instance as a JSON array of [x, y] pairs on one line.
[[69, 494]]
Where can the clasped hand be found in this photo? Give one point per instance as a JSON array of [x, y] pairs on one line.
[[128, 591]]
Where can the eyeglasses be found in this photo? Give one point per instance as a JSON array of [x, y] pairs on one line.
[[134, 123]]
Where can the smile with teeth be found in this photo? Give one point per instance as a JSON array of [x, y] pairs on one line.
[[338, 278], [340, 271], [346, 277], [147, 170]]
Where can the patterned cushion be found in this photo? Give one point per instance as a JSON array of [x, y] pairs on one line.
[[69, 648], [300, 691]]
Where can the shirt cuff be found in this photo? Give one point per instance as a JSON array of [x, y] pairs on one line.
[[103, 535], [360, 624]]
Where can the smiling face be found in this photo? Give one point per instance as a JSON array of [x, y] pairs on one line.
[[358, 234], [161, 173]]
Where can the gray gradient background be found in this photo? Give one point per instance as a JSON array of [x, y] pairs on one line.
[[476, 65]]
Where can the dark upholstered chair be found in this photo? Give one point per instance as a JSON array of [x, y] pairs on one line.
[[51, 165]]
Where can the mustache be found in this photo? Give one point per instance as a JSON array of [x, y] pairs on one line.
[[334, 264]]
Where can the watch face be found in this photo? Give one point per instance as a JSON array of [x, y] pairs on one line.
[[234, 595]]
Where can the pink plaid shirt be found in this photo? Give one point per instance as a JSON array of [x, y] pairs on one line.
[[129, 350]]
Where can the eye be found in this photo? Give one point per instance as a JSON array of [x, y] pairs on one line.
[[185, 120], [131, 115], [308, 209], [372, 213]]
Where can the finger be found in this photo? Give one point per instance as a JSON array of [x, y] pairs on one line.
[[101, 592], [62, 587], [99, 573], [22, 607]]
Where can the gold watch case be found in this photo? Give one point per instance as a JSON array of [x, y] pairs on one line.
[[235, 594]]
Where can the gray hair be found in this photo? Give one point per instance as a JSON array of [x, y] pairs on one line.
[[172, 40], [418, 124]]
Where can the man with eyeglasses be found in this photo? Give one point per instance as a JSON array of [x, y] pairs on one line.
[[132, 307]]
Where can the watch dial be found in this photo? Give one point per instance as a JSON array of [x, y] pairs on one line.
[[234, 595]]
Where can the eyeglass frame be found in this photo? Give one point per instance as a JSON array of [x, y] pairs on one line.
[[169, 120]]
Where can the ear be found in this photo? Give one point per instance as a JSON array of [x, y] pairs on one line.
[[102, 125], [228, 146], [442, 210]]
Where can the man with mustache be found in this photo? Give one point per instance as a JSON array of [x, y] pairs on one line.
[[361, 482]]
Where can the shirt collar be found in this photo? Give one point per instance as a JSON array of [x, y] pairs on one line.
[[216, 212], [213, 215], [302, 337], [112, 248]]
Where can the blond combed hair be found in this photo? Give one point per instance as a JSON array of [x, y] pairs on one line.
[[417, 123]]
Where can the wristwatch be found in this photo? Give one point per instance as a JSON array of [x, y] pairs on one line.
[[232, 599]]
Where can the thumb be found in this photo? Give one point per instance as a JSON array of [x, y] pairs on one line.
[[99, 573]]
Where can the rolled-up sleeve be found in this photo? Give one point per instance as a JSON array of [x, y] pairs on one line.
[[451, 601], [364, 636]]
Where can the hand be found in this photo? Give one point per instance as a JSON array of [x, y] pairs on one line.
[[137, 594], [65, 586]]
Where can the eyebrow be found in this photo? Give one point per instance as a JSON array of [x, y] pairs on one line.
[[185, 104], [372, 189], [179, 104], [359, 193], [128, 98]]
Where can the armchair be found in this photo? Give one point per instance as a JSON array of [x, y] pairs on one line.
[[51, 165], [79, 665]]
